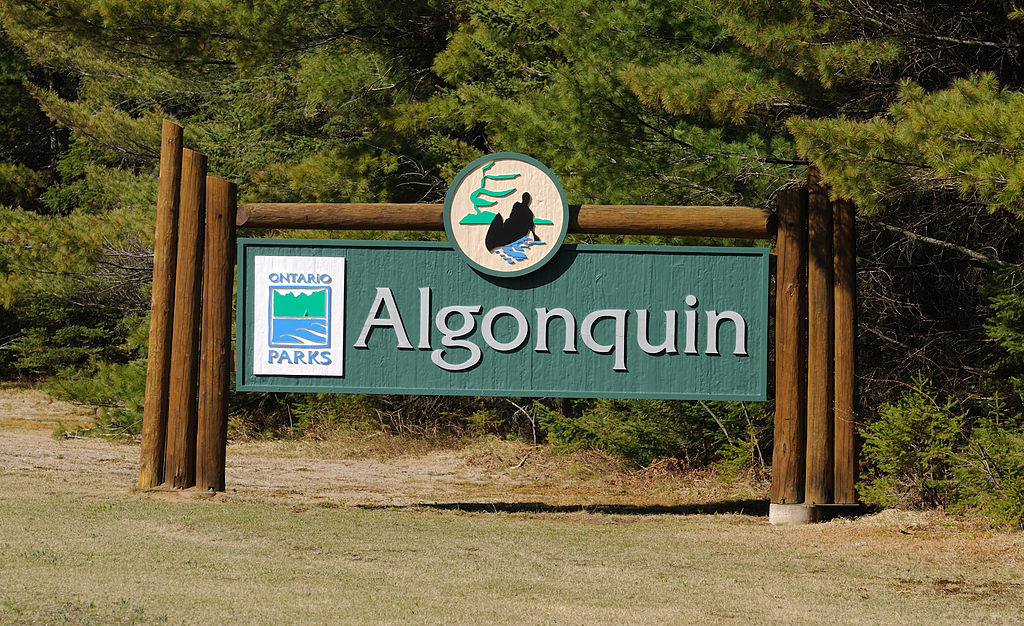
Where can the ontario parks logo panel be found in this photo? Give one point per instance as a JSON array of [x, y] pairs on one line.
[[299, 314]]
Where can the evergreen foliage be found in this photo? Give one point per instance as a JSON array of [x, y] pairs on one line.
[[965, 138], [925, 450], [643, 431], [910, 448], [990, 472], [911, 108]]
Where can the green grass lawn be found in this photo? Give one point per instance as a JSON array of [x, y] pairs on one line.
[[75, 555]]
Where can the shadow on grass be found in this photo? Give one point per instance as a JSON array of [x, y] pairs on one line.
[[753, 508]]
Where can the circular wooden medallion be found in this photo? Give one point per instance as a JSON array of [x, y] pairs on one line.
[[506, 213]]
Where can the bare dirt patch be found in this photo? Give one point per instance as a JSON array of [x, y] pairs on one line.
[[360, 469]]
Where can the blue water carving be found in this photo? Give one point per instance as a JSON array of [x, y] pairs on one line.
[[516, 251], [299, 332]]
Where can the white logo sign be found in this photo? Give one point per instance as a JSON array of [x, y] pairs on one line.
[[299, 316]]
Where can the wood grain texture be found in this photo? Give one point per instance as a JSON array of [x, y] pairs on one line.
[[845, 261], [695, 221], [354, 216], [180, 453], [158, 365], [820, 346], [215, 348], [788, 464]]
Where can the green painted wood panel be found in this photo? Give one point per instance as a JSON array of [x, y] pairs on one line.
[[621, 280]]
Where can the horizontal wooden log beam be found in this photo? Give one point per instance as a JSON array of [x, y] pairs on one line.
[[692, 221], [381, 216]]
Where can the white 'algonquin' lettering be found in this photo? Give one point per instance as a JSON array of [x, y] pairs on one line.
[[603, 331]]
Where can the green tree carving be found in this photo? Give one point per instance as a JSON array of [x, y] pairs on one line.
[[477, 196]]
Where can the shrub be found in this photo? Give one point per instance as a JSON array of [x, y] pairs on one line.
[[910, 449], [1006, 327], [432, 417], [313, 414], [642, 431], [118, 390], [990, 473]]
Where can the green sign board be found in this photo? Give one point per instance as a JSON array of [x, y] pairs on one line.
[[414, 317]]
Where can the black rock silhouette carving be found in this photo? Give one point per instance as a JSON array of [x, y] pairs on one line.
[[502, 232]]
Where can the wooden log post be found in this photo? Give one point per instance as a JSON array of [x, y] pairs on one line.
[[845, 344], [696, 221], [215, 351], [820, 346], [158, 365], [788, 464], [180, 455]]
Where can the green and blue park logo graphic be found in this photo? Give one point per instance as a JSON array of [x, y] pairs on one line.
[[300, 317], [506, 213]]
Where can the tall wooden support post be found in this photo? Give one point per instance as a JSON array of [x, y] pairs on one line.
[[158, 366], [790, 327], [180, 455], [820, 346], [215, 360], [845, 262]]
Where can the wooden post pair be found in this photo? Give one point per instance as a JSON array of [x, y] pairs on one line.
[[184, 428], [814, 461]]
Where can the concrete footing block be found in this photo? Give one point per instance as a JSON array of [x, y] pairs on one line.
[[793, 514]]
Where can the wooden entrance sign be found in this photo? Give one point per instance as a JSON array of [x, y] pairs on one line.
[[413, 317], [185, 419]]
